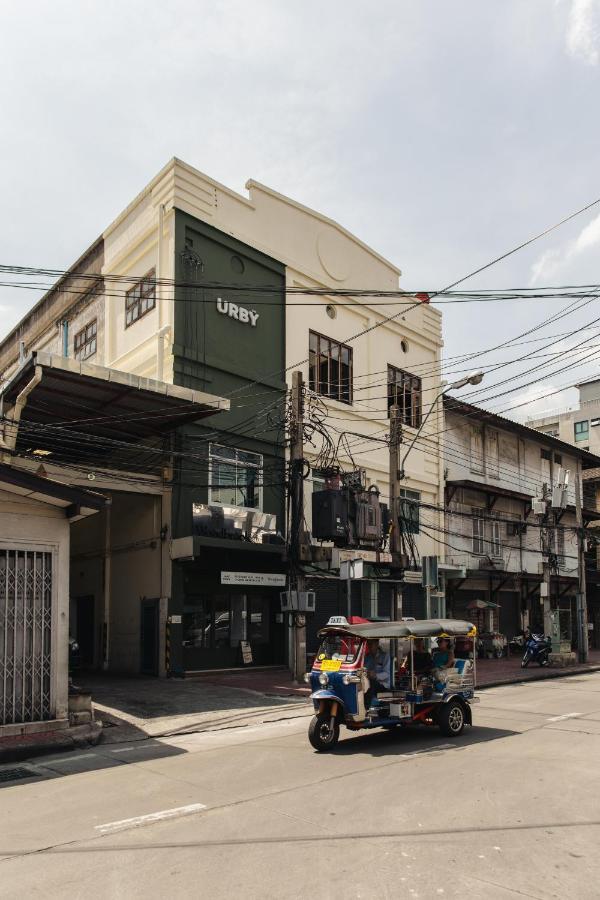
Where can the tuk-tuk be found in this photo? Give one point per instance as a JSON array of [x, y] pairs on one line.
[[342, 692]]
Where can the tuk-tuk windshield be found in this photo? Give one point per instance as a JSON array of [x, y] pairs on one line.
[[341, 647]]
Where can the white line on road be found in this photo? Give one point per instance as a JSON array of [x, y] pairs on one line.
[[562, 718], [111, 827], [122, 749], [71, 758]]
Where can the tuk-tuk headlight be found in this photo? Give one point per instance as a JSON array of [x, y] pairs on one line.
[[307, 677], [323, 678]]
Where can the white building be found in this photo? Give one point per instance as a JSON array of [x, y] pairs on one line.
[[495, 469]]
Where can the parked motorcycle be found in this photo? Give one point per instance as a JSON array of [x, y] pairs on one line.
[[537, 649], [517, 644]]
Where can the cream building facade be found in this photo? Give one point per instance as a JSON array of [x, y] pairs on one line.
[[102, 312], [318, 253]]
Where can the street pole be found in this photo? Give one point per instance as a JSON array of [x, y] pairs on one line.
[[297, 521], [547, 537], [349, 590], [394, 476], [582, 620]]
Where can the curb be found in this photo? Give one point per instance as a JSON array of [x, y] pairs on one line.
[[74, 738], [567, 672]]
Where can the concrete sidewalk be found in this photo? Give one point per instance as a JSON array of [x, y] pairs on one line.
[[139, 708]]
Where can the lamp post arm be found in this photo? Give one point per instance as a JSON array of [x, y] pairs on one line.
[[414, 440]]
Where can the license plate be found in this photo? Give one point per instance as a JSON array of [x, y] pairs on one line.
[[331, 665]]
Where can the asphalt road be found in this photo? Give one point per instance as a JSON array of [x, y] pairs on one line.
[[511, 809]]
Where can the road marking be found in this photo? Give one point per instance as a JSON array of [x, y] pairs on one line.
[[71, 758], [562, 718], [111, 827], [122, 749]]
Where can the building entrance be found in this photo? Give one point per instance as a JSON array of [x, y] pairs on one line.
[[216, 625]]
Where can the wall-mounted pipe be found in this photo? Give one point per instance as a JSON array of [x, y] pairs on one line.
[[160, 351], [10, 429]]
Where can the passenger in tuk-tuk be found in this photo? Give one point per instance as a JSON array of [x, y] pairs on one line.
[[422, 660], [443, 656], [377, 664]]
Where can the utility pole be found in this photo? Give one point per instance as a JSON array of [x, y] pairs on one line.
[[395, 539], [548, 538], [582, 619], [297, 521]]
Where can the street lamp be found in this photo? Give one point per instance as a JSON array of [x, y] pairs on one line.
[[473, 378]]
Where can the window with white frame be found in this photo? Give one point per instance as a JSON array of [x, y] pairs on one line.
[[235, 477], [494, 532], [476, 449], [478, 534]]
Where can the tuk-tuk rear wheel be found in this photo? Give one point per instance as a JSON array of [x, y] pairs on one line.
[[321, 734], [451, 718]]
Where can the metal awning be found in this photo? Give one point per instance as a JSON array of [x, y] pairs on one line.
[[75, 398], [76, 502]]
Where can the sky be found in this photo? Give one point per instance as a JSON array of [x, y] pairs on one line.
[[442, 134]]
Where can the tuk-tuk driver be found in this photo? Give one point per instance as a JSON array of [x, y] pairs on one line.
[[377, 664]]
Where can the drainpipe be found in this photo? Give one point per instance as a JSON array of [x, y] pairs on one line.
[[159, 260], [11, 429], [107, 585], [65, 338], [160, 351]]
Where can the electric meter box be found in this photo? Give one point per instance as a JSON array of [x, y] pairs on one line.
[[330, 515]]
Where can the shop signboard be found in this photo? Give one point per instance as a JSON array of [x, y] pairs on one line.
[[246, 652], [262, 579]]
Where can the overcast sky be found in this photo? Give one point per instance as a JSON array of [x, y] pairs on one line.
[[442, 134]]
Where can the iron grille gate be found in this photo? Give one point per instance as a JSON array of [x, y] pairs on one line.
[[25, 635]]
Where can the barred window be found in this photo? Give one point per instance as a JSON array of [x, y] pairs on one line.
[[85, 341], [140, 299], [404, 390], [330, 368]]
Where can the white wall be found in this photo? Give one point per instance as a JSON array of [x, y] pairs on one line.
[[520, 469]]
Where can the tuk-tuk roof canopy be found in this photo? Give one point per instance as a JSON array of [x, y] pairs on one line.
[[419, 628]]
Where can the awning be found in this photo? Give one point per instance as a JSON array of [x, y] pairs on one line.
[[193, 546], [76, 502], [76, 398]]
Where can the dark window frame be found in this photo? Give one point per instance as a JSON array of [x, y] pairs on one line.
[[140, 299], [85, 341], [327, 360], [405, 391], [583, 433]]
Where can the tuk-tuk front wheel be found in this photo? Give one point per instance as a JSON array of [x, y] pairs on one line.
[[451, 718], [321, 733]]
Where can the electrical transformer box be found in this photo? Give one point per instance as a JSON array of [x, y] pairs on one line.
[[330, 516], [368, 519]]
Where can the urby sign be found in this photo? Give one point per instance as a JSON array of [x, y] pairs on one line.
[[247, 316]]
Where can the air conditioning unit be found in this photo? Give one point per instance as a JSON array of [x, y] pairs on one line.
[[307, 601], [289, 600], [298, 601], [491, 562]]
